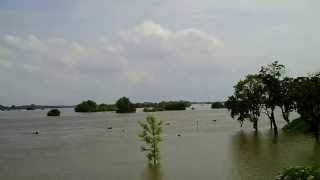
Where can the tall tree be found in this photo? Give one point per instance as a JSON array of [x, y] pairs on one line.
[[246, 101], [287, 103], [270, 76], [125, 106], [151, 131]]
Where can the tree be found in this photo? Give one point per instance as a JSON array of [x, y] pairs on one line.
[[246, 101], [287, 103], [151, 131], [86, 106], [270, 77], [125, 106], [307, 99]]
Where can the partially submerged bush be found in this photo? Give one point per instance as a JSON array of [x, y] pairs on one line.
[[53, 112], [217, 105], [298, 126], [300, 173]]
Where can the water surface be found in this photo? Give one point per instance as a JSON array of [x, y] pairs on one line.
[[80, 146]]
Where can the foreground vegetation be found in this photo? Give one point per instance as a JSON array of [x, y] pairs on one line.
[[300, 173], [264, 91], [151, 131]]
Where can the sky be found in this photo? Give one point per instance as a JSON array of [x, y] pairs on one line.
[[67, 51]]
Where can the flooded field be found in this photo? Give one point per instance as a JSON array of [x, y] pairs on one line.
[[80, 146]]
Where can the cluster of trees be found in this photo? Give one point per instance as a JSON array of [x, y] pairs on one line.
[[264, 91], [168, 106], [123, 105], [91, 106]]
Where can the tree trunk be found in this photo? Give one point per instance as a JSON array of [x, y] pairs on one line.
[[285, 115], [275, 128], [255, 125]]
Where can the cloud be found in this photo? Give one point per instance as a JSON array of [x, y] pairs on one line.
[[121, 64]]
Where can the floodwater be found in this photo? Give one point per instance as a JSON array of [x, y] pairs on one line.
[[81, 147]]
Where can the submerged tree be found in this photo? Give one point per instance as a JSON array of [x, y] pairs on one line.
[[287, 103], [246, 101], [125, 106], [270, 76], [151, 131]]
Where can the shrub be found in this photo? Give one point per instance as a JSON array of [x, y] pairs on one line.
[[53, 112], [298, 126], [106, 107], [217, 105], [151, 131]]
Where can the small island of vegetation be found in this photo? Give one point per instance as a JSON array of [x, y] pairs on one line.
[[53, 112], [92, 106]]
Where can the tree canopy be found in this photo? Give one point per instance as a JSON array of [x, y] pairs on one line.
[[125, 106]]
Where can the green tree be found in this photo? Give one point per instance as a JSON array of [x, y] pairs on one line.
[[287, 103], [307, 99], [270, 77], [125, 106], [246, 101], [151, 131], [86, 106]]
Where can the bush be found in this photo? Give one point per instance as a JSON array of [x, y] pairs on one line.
[[301, 173], [106, 107], [53, 112], [298, 126], [174, 105], [125, 106], [217, 105], [86, 106]]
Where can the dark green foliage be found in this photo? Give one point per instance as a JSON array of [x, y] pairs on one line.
[[86, 106], [217, 105], [125, 106], [287, 103], [164, 106], [174, 105], [298, 126], [53, 112], [300, 173], [307, 99], [270, 76], [151, 131], [246, 101], [145, 104], [106, 107]]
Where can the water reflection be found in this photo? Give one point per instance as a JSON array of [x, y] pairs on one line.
[[152, 173], [255, 155]]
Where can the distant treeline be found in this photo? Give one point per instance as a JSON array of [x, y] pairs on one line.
[[31, 107], [124, 105]]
